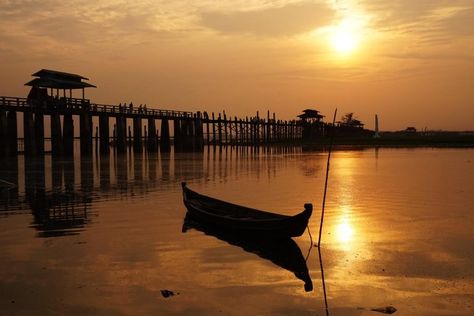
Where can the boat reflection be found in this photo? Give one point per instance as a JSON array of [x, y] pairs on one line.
[[285, 253]]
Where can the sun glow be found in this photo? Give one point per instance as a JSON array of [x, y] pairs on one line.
[[345, 37]]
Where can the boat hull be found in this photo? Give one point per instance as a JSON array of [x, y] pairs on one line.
[[236, 218]]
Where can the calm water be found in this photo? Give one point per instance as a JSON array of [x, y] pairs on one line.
[[104, 236]]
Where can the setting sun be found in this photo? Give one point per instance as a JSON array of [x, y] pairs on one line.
[[343, 41], [344, 38]]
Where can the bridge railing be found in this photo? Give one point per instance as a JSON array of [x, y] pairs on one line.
[[107, 108], [76, 104], [13, 101]]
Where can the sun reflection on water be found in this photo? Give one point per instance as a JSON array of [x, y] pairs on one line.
[[344, 230]]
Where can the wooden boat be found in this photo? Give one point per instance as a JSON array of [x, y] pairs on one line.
[[238, 218]]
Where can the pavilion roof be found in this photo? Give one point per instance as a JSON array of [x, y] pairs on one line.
[[310, 113], [58, 80], [55, 73]]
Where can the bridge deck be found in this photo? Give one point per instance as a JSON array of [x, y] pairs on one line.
[[78, 106]]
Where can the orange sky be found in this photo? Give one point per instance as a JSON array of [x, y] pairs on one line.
[[410, 62]]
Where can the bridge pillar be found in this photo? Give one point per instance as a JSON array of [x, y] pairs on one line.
[[151, 135], [199, 134], [121, 134], [28, 133], [39, 133], [68, 135], [3, 132], [219, 129], [188, 134], [12, 133], [165, 145], [56, 135], [178, 134], [85, 133], [213, 130], [104, 133], [137, 134]]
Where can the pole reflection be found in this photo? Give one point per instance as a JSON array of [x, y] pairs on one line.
[[323, 281]]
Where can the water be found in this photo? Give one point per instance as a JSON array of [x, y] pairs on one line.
[[104, 236]]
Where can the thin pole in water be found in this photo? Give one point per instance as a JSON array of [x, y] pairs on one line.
[[327, 176]]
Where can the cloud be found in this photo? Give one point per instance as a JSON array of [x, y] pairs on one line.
[[291, 19], [424, 17], [460, 24], [62, 29]]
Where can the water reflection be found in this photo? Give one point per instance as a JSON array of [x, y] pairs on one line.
[[344, 228], [407, 227], [60, 192], [285, 253]]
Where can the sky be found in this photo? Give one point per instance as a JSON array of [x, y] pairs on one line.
[[410, 62]]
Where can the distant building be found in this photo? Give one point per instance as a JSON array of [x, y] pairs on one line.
[[410, 129], [311, 116], [376, 133], [313, 125]]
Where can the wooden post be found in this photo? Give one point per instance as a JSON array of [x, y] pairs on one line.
[[207, 132], [56, 135], [39, 133], [104, 133], [225, 129], [219, 128], [246, 130], [257, 129], [242, 133], [12, 134], [236, 128], [213, 130], [3, 133], [85, 134], [68, 134], [28, 133], [269, 136], [178, 126], [137, 134], [198, 134], [165, 145], [188, 132], [121, 142], [151, 135]]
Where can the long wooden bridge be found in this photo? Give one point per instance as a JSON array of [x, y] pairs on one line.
[[190, 130]]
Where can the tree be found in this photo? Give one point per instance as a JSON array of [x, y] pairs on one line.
[[349, 120]]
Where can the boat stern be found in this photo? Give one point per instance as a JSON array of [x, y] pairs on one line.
[[183, 186]]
